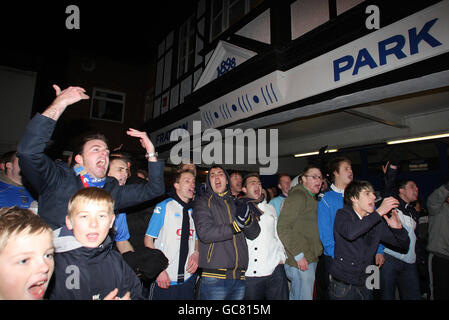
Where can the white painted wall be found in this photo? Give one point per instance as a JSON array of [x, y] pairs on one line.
[[258, 29]]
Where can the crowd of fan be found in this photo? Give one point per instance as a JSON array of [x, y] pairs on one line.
[[96, 228]]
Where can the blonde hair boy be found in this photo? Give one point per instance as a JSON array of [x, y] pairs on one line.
[[87, 267], [26, 255], [90, 216]]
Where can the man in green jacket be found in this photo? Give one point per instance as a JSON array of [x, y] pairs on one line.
[[298, 231]]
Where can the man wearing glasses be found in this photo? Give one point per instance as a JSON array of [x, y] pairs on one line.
[[298, 231]]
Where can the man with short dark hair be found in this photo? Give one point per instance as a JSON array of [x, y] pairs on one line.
[[236, 180], [56, 183], [358, 229]]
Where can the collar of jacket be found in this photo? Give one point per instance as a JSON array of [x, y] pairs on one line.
[[64, 240], [333, 187], [307, 190], [222, 194]]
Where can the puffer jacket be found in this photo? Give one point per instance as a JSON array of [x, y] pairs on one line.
[[220, 247]]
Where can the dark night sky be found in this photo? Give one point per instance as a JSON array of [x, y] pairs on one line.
[[126, 28]]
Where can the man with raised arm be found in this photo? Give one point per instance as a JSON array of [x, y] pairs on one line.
[[56, 183]]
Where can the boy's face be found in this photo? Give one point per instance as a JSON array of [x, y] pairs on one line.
[[185, 188], [236, 182], [26, 266], [119, 170], [344, 176], [95, 158], [218, 180], [90, 222], [284, 184], [409, 193], [253, 188], [365, 204]]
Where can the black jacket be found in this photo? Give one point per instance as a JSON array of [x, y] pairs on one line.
[[56, 183], [356, 243], [89, 273]]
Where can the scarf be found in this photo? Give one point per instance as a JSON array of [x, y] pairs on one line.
[[86, 179], [185, 234], [252, 203]]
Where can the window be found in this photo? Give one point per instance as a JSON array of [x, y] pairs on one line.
[[107, 105], [227, 12], [187, 36]]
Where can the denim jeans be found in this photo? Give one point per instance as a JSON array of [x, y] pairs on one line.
[[272, 287], [395, 272], [343, 291], [221, 289], [302, 282]]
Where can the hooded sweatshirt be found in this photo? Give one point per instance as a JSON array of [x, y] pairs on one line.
[[83, 273], [220, 245]]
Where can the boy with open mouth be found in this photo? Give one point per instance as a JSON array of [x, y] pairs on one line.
[[26, 255]]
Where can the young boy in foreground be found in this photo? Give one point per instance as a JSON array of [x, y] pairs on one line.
[[26, 255], [86, 265]]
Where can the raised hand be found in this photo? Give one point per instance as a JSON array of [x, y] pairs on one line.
[[387, 204], [63, 99], [144, 140], [394, 221]]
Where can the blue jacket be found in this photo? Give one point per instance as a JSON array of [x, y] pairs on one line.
[[327, 209], [356, 242], [277, 203], [56, 182], [89, 273], [12, 194]]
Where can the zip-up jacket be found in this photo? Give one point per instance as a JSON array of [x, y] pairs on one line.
[[89, 273], [298, 227], [223, 252], [56, 183]]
